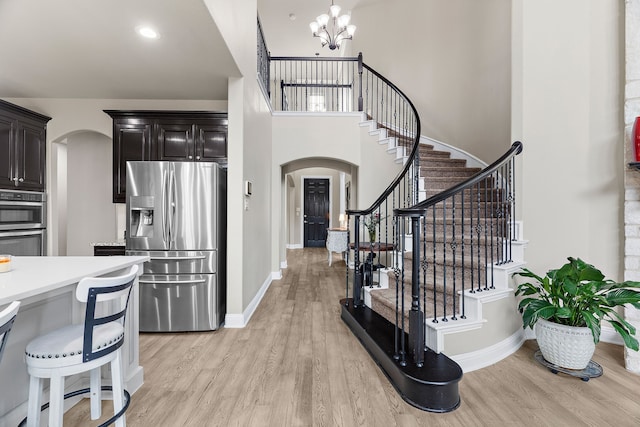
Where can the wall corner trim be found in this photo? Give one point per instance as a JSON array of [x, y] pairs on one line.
[[232, 320]]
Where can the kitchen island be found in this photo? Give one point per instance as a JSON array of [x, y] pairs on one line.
[[46, 288]]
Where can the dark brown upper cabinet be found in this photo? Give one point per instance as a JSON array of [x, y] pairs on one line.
[[131, 141], [183, 136], [23, 144]]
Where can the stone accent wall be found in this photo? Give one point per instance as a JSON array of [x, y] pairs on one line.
[[632, 176]]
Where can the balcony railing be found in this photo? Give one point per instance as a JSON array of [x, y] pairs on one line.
[[263, 61], [316, 84]]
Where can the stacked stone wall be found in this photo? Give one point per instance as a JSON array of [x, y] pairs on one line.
[[632, 175]]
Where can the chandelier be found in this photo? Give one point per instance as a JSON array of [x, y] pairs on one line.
[[340, 28]]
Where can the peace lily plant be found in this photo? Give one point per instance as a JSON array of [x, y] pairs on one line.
[[577, 294]]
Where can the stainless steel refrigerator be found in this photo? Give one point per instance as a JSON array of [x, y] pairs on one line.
[[176, 214]]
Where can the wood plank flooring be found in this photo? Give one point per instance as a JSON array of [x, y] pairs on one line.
[[297, 364]]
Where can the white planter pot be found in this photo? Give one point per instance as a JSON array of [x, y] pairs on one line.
[[567, 346]]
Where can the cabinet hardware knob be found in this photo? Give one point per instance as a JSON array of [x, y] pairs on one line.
[[21, 179], [191, 157], [15, 178], [197, 157]]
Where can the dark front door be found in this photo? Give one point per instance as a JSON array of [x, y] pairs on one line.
[[316, 212]]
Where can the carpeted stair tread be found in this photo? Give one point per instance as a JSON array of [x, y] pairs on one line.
[[455, 171], [441, 161], [482, 205], [383, 301]]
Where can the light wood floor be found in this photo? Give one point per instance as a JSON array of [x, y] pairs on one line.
[[297, 364]]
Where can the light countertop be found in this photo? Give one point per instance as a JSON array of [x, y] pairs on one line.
[[116, 243], [31, 276]]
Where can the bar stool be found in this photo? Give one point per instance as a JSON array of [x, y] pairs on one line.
[[7, 316], [84, 347]]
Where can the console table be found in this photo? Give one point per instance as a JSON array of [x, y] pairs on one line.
[[337, 241]]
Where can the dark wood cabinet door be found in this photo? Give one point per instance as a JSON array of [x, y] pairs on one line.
[[175, 141], [22, 148], [211, 143], [31, 146], [7, 152], [131, 141]]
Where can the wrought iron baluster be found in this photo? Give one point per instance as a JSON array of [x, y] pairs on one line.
[[444, 260], [478, 234], [454, 246]]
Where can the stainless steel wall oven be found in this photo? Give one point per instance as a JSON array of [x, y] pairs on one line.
[[23, 222]]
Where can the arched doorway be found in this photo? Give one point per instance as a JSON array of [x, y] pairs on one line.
[[80, 196], [342, 177]]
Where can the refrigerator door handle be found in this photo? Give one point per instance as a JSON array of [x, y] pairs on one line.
[[164, 207], [171, 282], [176, 258], [172, 205]]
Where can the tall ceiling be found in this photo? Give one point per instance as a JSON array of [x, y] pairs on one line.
[[89, 49], [290, 35]]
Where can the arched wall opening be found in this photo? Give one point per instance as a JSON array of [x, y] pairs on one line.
[[80, 210], [343, 178]]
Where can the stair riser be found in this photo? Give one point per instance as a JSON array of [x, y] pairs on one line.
[[448, 182], [493, 196], [446, 173]]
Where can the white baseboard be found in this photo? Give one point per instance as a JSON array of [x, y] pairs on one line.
[[488, 356], [135, 380], [283, 264], [608, 334], [241, 320], [295, 246]]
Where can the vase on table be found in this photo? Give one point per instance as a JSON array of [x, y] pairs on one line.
[[372, 237]]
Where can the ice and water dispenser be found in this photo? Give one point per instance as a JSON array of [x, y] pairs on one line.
[[141, 216]]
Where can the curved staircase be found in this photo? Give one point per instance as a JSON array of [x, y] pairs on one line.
[[445, 244]]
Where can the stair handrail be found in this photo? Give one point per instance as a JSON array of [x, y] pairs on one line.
[[417, 215], [420, 208], [410, 158]]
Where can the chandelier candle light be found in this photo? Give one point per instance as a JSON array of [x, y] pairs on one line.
[[340, 27]]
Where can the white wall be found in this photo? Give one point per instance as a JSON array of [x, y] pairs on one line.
[[568, 113], [250, 263], [452, 59], [302, 141]]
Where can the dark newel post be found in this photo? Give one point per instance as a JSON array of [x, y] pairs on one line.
[[357, 280], [416, 317], [360, 102], [269, 74], [282, 95]]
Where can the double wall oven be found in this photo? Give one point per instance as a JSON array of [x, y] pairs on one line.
[[23, 222]]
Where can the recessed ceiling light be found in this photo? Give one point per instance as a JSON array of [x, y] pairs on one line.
[[147, 32]]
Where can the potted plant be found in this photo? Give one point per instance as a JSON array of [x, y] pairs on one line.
[[571, 302]]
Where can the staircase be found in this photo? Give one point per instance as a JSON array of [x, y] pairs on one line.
[[444, 247], [439, 172]]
